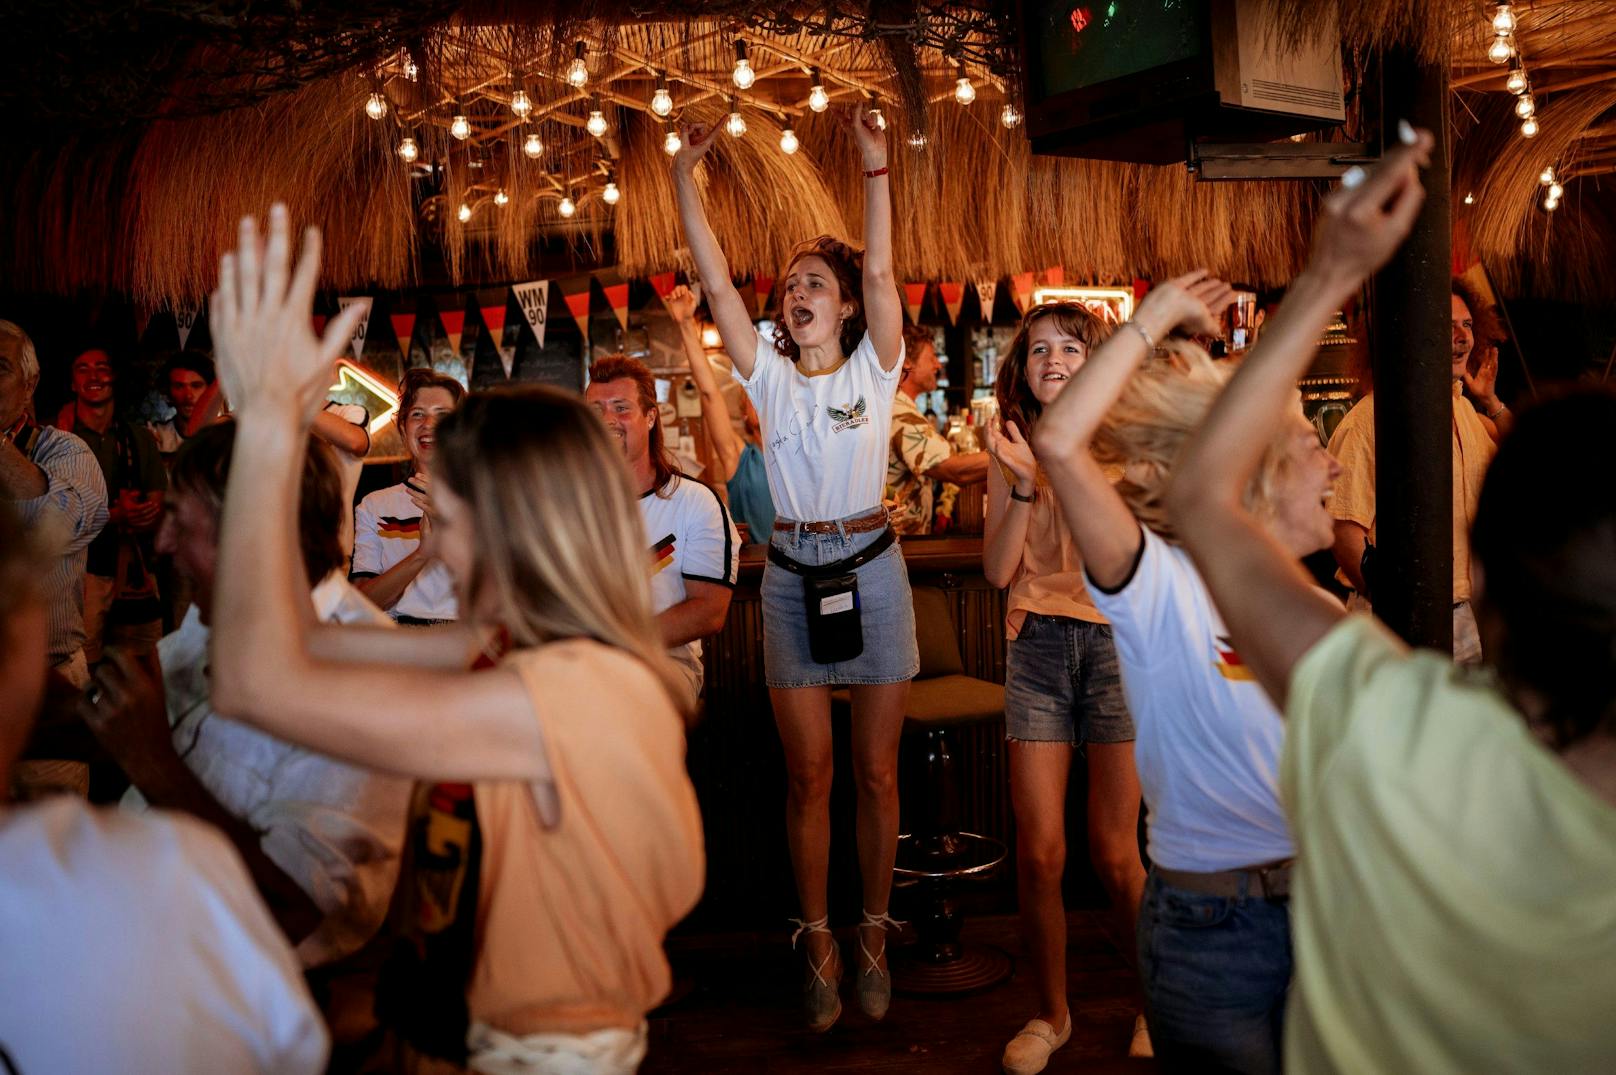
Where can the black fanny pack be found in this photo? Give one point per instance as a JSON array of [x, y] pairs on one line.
[[830, 591]]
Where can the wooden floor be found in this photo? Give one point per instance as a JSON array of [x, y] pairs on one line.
[[735, 1011]]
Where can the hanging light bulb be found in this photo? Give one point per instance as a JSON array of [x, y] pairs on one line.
[[376, 106], [1501, 50], [521, 104], [1503, 20], [736, 124], [567, 207], [917, 140], [597, 119], [578, 73], [611, 194], [460, 127], [964, 92], [533, 145], [788, 141], [1555, 190], [1525, 106], [1010, 116], [408, 150], [1551, 204], [501, 198], [661, 100], [743, 76], [1470, 199], [465, 212], [671, 142], [818, 99], [875, 110], [411, 71], [1529, 128], [1516, 83], [1546, 176]]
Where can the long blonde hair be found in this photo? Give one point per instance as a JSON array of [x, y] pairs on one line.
[[557, 535], [1158, 410]]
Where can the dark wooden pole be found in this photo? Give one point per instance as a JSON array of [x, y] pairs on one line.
[[1411, 355]]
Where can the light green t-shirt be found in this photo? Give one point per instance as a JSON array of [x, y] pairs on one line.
[[1455, 903]]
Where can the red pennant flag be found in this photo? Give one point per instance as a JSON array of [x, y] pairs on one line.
[[454, 325], [1021, 290], [403, 330], [953, 298], [1055, 276], [663, 282], [616, 290], [914, 296], [764, 287], [319, 324], [575, 289], [1141, 288], [491, 305]]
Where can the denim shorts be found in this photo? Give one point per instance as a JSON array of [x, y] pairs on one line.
[[1215, 972], [886, 614], [1062, 683]]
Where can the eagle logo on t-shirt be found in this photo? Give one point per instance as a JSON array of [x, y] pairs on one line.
[[848, 416]]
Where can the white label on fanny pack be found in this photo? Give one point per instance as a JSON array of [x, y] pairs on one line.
[[842, 602]]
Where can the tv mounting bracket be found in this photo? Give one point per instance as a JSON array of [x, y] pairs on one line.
[[1212, 162]]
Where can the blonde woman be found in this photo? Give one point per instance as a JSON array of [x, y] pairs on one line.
[[573, 744], [1214, 926], [836, 601]]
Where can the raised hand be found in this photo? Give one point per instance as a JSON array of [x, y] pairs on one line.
[[867, 135], [1191, 304], [681, 303], [125, 709], [696, 139], [1364, 221], [262, 322], [1483, 384], [420, 493], [1012, 452]]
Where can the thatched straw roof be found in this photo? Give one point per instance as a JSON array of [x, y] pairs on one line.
[[125, 202]]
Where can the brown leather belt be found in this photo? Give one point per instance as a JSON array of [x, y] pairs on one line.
[[1271, 881], [876, 520]]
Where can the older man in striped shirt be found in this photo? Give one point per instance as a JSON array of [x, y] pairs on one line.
[[55, 483]]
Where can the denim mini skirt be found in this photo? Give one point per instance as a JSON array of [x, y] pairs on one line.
[[886, 614]]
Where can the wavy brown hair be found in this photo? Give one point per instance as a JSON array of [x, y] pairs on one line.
[[847, 266], [1016, 400], [621, 367]]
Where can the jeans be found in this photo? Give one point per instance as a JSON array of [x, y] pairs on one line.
[[1215, 973]]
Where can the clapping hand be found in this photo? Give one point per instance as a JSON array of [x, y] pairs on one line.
[[124, 707], [1483, 384], [419, 488], [1014, 454], [1191, 304], [269, 358]]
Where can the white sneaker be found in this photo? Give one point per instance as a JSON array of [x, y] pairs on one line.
[[1140, 1045], [1028, 1052]]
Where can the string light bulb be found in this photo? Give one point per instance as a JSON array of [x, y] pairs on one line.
[[1470, 199], [917, 140], [671, 142], [567, 206], [521, 104], [1501, 50], [465, 212], [743, 76], [611, 194], [533, 145], [1525, 106], [736, 124], [412, 72], [1010, 117], [1546, 176], [662, 100], [1516, 83], [1529, 128], [1555, 190], [376, 106], [501, 198], [818, 99], [788, 141], [964, 92], [460, 127], [408, 151], [578, 73], [597, 119], [875, 110], [1503, 20]]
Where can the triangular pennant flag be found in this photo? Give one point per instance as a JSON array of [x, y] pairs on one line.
[[491, 303], [986, 292], [534, 299], [454, 325], [616, 290], [364, 322], [185, 321], [575, 289], [914, 296], [1055, 276], [1021, 290], [403, 321], [663, 282], [953, 298], [319, 321], [748, 295], [764, 286]]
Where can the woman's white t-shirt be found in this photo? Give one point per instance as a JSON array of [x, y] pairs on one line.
[[1208, 738], [824, 434]]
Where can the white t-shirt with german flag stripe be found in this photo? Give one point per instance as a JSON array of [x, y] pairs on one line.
[[691, 537], [387, 528], [1208, 738]]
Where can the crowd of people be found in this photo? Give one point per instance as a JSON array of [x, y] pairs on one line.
[[405, 780]]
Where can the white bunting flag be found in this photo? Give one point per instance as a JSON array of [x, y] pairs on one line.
[[534, 299], [364, 323]]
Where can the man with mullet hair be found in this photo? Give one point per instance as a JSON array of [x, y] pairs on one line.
[[694, 547]]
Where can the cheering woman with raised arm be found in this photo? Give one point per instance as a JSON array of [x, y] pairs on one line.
[[823, 386]]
